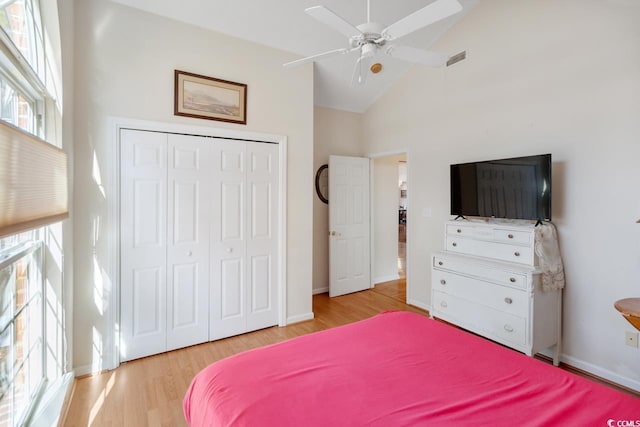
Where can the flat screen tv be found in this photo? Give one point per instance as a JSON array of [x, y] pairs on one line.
[[516, 188]]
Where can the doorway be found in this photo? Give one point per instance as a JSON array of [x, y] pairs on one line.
[[389, 230], [402, 219]]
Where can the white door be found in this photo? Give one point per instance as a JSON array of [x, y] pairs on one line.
[[143, 246], [244, 237], [262, 235], [227, 267], [349, 225], [199, 240], [188, 218]]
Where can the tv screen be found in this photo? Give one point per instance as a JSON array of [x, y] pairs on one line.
[[516, 188]]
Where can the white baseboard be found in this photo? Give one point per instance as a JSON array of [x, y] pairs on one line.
[[383, 279], [419, 304], [320, 290], [80, 371], [299, 318], [601, 372]]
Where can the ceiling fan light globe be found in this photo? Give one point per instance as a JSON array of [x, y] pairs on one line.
[[368, 50]]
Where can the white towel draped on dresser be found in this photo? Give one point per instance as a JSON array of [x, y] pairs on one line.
[[548, 251]]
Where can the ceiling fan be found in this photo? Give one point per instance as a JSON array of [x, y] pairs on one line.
[[371, 37]]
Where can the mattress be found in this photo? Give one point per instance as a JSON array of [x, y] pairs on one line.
[[397, 369]]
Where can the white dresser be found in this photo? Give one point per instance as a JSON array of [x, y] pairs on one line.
[[487, 281]]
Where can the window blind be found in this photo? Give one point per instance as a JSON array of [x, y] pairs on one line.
[[33, 181]]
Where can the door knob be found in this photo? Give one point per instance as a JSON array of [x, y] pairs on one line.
[[333, 233], [189, 253], [229, 250]]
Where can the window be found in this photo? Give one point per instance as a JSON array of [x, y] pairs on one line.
[[22, 70], [20, 20], [15, 108], [26, 87], [21, 331]]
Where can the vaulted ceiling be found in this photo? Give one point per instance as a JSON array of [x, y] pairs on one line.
[[283, 24]]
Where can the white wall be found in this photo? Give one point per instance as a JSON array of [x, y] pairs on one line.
[[386, 200], [336, 132], [124, 67], [546, 76]]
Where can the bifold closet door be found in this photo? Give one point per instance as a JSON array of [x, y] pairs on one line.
[[244, 237], [262, 235], [143, 243], [199, 239], [164, 245], [188, 217]]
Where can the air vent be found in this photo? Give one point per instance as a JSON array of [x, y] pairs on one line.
[[457, 58]]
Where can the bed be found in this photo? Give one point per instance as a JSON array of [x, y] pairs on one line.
[[397, 369]]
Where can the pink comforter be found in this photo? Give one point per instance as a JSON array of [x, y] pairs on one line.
[[397, 369]]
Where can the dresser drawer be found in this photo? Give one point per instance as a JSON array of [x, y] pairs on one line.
[[479, 318], [460, 230], [461, 245], [480, 271], [510, 253], [513, 237], [500, 251], [510, 300]]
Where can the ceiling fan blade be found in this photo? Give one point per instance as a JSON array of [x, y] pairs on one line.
[[418, 56], [315, 57], [328, 17], [429, 14]]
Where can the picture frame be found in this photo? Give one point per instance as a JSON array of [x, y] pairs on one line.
[[209, 98]]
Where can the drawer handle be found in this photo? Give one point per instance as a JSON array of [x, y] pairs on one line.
[[516, 253], [443, 282], [458, 231], [512, 279], [508, 300], [508, 328], [440, 262], [510, 236], [443, 304], [454, 244]]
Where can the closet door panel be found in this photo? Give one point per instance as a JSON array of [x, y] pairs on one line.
[[261, 298], [262, 237], [188, 241], [143, 190], [231, 296]]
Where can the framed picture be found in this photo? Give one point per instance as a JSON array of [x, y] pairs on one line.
[[209, 98]]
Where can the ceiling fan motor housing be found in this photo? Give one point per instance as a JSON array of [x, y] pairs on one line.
[[371, 35]]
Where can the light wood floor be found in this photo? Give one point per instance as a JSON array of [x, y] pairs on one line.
[[149, 391]]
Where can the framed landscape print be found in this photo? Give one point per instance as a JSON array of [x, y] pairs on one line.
[[210, 98]]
